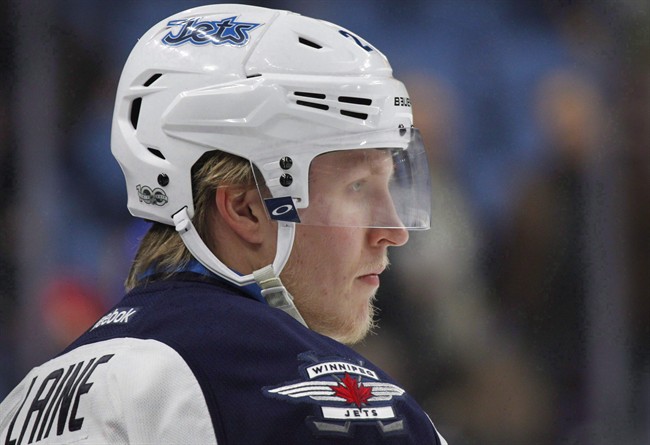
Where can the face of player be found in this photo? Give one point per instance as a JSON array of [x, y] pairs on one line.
[[333, 272]]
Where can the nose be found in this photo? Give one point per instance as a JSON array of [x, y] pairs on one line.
[[390, 230], [388, 237]]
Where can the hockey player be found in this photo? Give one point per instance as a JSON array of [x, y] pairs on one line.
[[276, 157]]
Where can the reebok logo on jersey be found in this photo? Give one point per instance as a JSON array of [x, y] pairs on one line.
[[118, 316]]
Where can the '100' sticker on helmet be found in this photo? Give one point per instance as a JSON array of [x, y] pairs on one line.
[[155, 196], [218, 32]]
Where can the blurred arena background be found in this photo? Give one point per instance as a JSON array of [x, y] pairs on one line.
[[521, 318]]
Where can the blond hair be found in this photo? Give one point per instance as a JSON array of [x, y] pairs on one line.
[[161, 251]]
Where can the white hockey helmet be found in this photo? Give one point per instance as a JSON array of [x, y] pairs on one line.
[[273, 87]]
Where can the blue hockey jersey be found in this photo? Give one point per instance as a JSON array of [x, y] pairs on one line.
[[195, 360]]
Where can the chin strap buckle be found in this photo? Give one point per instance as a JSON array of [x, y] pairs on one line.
[[275, 293]]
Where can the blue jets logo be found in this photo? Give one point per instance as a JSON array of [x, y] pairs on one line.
[[227, 31]]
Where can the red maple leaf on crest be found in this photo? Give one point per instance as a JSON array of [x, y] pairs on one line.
[[352, 391]]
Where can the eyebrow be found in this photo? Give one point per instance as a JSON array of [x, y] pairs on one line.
[[364, 156], [363, 168]]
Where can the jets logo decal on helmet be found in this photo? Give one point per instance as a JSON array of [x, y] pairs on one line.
[[226, 31], [348, 394]]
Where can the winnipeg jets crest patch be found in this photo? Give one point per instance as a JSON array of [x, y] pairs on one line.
[[345, 395]]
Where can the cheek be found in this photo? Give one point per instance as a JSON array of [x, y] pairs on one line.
[[337, 246], [326, 254]]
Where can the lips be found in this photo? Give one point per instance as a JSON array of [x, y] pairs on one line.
[[372, 278]]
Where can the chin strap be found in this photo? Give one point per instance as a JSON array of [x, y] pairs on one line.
[[267, 277]]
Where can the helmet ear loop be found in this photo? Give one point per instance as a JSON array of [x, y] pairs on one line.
[[268, 278], [202, 253], [196, 246]]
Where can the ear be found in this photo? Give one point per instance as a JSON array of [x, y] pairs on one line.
[[242, 210]]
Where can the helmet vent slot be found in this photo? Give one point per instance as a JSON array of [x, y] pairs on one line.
[[342, 99], [156, 152], [362, 116], [311, 95], [135, 111], [355, 100], [313, 105], [152, 79], [309, 43]]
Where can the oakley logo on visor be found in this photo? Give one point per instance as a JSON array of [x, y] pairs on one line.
[[282, 209]]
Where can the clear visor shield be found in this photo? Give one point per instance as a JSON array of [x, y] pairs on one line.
[[384, 187]]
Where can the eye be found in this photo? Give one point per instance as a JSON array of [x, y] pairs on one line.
[[356, 186]]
